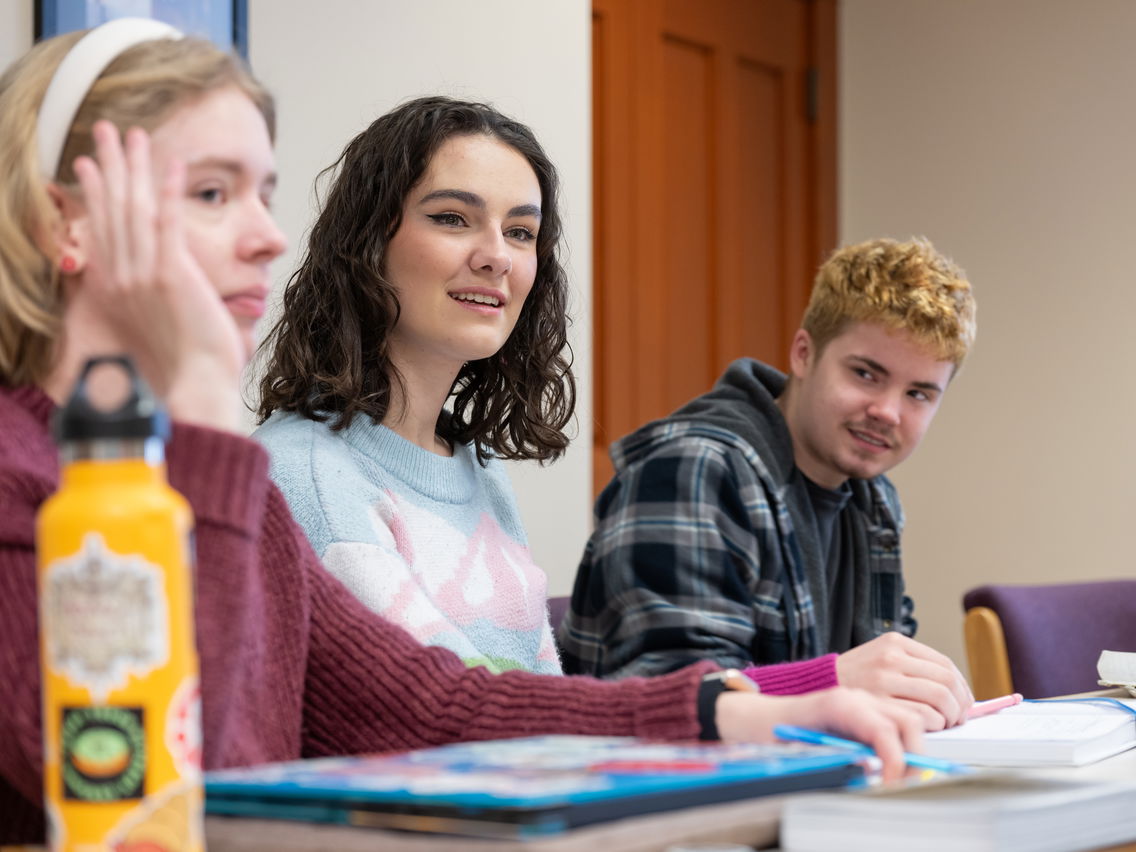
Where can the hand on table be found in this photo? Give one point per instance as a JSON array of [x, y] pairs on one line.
[[889, 727], [895, 666]]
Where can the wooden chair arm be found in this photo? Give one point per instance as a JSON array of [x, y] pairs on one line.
[[986, 654]]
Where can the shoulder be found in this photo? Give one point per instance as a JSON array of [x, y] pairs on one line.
[[28, 460], [693, 464], [319, 476], [287, 430], [687, 449], [300, 447]]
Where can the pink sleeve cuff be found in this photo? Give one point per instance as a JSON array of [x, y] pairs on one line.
[[795, 678]]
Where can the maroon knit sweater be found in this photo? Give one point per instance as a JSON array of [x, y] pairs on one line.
[[291, 663]]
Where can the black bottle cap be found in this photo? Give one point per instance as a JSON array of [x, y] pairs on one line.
[[138, 416]]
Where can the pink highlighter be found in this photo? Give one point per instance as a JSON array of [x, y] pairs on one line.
[[985, 708]]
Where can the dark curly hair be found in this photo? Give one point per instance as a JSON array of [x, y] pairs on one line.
[[327, 357]]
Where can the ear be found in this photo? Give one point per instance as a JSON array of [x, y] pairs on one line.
[[801, 354], [69, 237]]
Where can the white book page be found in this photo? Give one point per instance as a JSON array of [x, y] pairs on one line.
[[1039, 722], [1117, 667]]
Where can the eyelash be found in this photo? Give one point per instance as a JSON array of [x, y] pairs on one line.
[[453, 220], [210, 194], [525, 235]]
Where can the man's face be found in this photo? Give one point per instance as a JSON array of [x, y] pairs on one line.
[[861, 406]]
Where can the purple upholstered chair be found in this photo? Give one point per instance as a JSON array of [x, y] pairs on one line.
[[1052, 635], [557, 609]]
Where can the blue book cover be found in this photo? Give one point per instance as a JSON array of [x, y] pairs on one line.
[[524, 787]]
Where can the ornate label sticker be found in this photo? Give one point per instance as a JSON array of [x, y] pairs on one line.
[[106, 617], [104, 753]]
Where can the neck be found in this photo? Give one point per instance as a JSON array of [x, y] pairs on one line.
[[84, 335], [416, 405]]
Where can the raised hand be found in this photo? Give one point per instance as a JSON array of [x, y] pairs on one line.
[[154, 294], [896, 666]]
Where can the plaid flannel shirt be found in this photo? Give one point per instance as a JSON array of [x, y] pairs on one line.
[[694, 557]]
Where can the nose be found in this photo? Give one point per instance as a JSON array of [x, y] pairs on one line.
[[262, 240], [885, 409], [491, 255]]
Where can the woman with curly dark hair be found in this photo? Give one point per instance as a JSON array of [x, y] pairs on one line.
[[431, 277]]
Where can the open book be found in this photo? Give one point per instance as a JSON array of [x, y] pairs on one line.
[[1118, 668], [1064, 732], [978, 813]]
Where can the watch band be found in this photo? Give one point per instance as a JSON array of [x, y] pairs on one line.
[[713, 685]]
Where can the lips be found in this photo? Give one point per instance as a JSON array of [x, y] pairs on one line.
[[484, 298], [870, 439], [250, 302]]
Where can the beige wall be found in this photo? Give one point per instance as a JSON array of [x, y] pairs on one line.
[[1006, 132], [15, 29]]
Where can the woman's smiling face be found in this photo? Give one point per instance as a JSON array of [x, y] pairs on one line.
[[464, 257]]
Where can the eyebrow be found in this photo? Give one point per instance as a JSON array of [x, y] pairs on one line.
[[475, 200], [880, 368], [232, 166]]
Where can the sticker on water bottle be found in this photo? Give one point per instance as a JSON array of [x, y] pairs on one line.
[[106, 617], [169, 820], [183, 728], [104, 753]]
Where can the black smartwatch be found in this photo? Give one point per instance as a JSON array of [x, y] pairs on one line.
[[713, 685]]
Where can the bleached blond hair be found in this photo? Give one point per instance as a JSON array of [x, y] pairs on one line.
[[905, 286]]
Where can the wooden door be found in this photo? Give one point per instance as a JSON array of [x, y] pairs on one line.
[[714, 152]]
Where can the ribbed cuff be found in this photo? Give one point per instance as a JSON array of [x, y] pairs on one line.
[[795, 678]]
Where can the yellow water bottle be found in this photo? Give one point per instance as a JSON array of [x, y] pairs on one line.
[[121, 699]]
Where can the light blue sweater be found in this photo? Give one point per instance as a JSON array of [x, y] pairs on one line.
[[434, 544]]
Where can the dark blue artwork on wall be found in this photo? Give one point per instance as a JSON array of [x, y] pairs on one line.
[[224, 22]]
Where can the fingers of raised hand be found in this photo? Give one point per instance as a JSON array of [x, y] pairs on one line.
[[142, 209], [118, 193], [112, 207]]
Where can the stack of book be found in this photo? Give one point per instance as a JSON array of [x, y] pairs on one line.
[[994, 812], [524, 787]]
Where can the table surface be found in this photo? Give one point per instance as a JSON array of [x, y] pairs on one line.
[[753, 822]]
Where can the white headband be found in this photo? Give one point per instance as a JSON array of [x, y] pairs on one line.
[[82, 65]]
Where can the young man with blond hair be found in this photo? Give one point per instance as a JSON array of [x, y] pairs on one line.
[[755, 524]]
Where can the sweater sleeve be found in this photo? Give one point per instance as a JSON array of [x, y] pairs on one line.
[[371, 687], [795, 678], [21, 746]]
